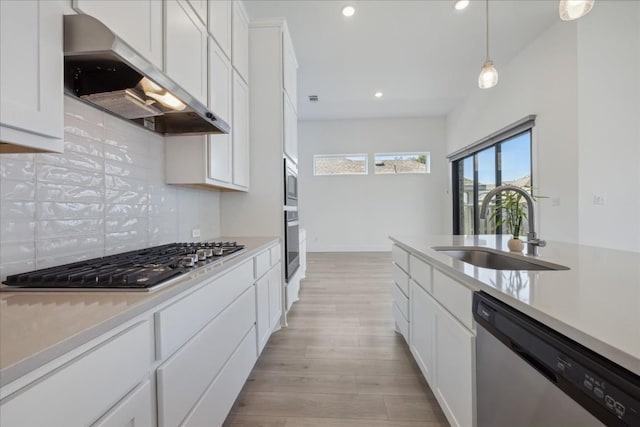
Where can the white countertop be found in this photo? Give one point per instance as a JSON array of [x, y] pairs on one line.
[[37, 327], [596, 302]]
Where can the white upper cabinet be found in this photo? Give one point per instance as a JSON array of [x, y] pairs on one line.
[[186, 48], [220, 150], [220, 24], [220, 73], [240, 40], [240, 133], [200, 7], [290, 130], [31, 65], [139, 23], [290, 70]]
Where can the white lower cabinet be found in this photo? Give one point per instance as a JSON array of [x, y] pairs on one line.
[[184, 378], [275, 297], [440, 336], [205, 347], [423, 328], [217, 401], [454, 369], [262, 307], [136, 409], [81, 391], [269, 305]]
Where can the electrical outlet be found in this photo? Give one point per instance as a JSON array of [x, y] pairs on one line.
[[195, 233], [555, 201], [598, 200]]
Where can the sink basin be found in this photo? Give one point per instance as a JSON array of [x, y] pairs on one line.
[[496, 260]]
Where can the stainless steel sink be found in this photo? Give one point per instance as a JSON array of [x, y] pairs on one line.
[[496, 260]]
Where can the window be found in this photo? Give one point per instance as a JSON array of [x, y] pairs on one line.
[[340, 164], [393, 163], [502, 158]]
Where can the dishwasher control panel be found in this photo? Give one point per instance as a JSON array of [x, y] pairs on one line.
[[616, 401], [608, 391]]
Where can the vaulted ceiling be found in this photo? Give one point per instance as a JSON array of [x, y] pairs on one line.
[[424, 56]]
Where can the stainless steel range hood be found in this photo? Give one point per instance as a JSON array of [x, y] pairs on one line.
[[104, 71]]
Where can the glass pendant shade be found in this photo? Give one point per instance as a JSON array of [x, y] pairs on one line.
[[488, 77], [574, 9]]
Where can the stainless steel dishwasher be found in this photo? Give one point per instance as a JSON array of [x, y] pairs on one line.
[[530, 375]]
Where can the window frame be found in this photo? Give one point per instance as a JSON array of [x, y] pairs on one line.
[[427, 164], [365, 156], [494, 140]]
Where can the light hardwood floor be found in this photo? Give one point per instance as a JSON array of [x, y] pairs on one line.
[[339, 363]]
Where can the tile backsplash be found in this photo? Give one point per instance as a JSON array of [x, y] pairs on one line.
[[105, 194]]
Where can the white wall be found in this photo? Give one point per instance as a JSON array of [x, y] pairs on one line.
[[541, 80], [105, 194], [609, 125], [582, 80], [358, 213]]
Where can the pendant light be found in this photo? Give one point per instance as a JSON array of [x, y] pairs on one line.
[[488, 77], [574, 9]]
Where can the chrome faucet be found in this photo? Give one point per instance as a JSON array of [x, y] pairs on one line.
[[532, 239]]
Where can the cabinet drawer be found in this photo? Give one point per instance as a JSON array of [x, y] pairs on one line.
[[218, 400], [401, 278], [135, 409], [85, 388], [276, 254], [188, 373], [420, 273], [400, 257], [262, 263], [453, 296], [181, 320], [401, 300], [401, 322]]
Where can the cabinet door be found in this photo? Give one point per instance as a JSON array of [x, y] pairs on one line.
[[220, 24], [275, 297], [220, 72], [423, 326], [186, 49], [290, 130], [135, 409], [455, 373], [31, 67], [290, 69], [186, 375], [240, 40], [85, 388], [214, 406], [200, 7], [262, 304], [138, 22], [240, 135]]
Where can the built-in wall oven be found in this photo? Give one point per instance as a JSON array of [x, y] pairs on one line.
[[292, 243], [291, 227], [290, 184]]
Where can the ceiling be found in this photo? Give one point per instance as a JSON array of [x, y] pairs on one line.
[[423, 55]]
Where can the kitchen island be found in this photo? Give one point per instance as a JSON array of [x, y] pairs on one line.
[[111, 353], [595, 302]]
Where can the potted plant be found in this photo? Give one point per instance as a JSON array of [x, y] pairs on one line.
[[511, 211]]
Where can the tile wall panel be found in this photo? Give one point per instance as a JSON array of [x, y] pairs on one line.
[[105, 194]]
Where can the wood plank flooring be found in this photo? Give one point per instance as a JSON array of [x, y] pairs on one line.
[[339, 363]]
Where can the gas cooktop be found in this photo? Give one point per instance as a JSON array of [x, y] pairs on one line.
[[140, 270]]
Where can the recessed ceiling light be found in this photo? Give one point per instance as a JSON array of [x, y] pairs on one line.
[[461, 4], [348, 11], [378, 94]]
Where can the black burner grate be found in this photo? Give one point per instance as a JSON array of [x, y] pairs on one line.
[[138, 269]]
